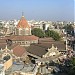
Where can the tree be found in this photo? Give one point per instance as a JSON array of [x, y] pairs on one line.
[[56, 36], [72, 68], [38, 32], [53, 34], [69, 29]]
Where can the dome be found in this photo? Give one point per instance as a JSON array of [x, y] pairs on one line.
[[23, 23]]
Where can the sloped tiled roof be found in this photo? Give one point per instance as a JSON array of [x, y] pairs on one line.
[[23, 23], [41, 48], [27, 38], [36, 50], [19, 51]]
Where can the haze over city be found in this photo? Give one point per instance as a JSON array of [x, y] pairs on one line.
[[54, 10]]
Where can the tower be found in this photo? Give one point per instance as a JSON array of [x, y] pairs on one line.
[[23, 28]]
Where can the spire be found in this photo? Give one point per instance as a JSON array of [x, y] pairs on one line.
[[6, 47], [1, 49], [22, 14], [56, 48], [23, 23], [53, 46]]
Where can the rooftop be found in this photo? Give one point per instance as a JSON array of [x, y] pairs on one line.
[[21, 67], [27, 38], [23, 23], [41, 48], [19, 51]]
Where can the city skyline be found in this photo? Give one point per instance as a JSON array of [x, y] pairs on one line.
[[54, 10]]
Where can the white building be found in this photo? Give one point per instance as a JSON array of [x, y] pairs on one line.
[[2, 71]]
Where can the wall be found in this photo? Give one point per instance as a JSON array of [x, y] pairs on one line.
[[8, 64], [2, 71]]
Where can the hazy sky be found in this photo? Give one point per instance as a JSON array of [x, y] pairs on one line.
[[55, 10]]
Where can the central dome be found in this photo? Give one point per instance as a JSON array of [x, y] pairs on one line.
[[23, 23]]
